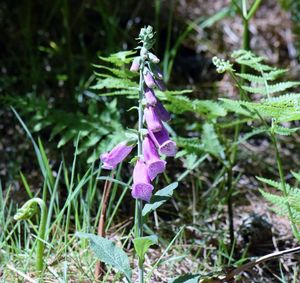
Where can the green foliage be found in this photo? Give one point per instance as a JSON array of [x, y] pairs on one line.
[[281, 202], [117, 80], [159, 198], [283, 108], [96, 127], [187, 278], [142, 244], [107, 252], [211, 141], [179, 104]]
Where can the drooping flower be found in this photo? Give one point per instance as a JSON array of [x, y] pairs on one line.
[[115, 156], [154, 164], [150, 96], [162, 112], [141, 188], [135, 66], [162, 140], [149, 81], [152, 119], [161, 85], [157, 71]]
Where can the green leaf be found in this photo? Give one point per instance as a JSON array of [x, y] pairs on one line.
[[284, 131], [271, 88], [187, 278], [211, 141], [159, 198], [106, 251], [142, 244]]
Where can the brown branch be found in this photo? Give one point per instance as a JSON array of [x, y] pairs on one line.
[[258, 261], [99, 270]]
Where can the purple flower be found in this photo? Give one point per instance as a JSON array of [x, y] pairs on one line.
[[115, 156], [141, 188], [161, 111], [154, 164], [157, 72], [149, 81], [135, 66], [150, 96], [161, 85], [152, 119], [162, 140]]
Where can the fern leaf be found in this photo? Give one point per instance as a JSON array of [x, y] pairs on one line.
[[271, 88], [284, 131], [270, 76], [211, 141], [120, 58], [113, 82]]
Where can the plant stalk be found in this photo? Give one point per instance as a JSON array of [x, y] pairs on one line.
[[101, 226], [41, 236], [139, 202]]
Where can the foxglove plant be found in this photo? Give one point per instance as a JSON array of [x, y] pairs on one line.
[[152, 141]]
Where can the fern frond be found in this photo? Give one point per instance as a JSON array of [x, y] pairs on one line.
[[180, 104], [270, 76], [191, 145], [271, 89], [113, 82], [211, 141], [120, 58], [284, 131], [247, 58]]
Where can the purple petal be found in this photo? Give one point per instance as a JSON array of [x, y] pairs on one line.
[[154, 164], [162, 112], [152, 120], [150, 96], [141, 188], [142, 191], [115, 156], [135, 66], [158, 73], [149, 81], [161, 85], [163, 142], [168, 148]]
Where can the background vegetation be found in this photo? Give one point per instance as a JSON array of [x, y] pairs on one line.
[[63, 101]]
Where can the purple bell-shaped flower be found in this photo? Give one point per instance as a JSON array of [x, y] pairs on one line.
[[150, 96], [161, 85], [149, 81], [152, 119], [115, 156], [162, 140], [162, 112], [141, 188], [154, 164]]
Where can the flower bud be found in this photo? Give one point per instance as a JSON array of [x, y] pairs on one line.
[[115, 156], [152, 120], [150, 96], [141, 188], [149, 81], [135, 66], [154, 59], [154, 164]]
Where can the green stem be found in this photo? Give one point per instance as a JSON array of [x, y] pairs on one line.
[[139, 202], [26, 212], [41, 236], [283, 185]]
